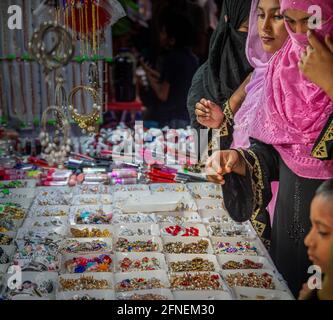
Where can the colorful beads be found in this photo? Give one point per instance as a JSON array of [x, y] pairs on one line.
[[75, 246], [98, 217], [246, 264], [83, 283], [139, 284], [144, 264], [90, 233], [241, 248], [102, 263], [253, 280], [198, 281], [196, 264], [124, 245], [181, 231], [200, 247]]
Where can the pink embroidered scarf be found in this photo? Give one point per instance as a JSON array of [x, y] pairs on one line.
[[293, 110], [258, 58]]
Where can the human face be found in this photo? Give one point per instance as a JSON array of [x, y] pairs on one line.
[[297, 20], [271, 27], [319, 238]]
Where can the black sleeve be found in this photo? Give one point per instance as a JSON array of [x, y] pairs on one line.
[[169, 68], [196, 93], [323, 148], [246, 198]]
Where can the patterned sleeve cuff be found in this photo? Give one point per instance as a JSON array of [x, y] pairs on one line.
[[260, 217], [228, 113], [323, 148], [228, 121]]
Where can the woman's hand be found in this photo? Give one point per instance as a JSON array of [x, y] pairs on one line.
[[209, 114], [305, 292], [317, 63], [224, 162]]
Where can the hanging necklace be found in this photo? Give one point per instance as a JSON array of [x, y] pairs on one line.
[[55, 152], [2, 108], [94, 42], [87, 122], [12, 93], [60, 100], [22, 83], [61, 51], [33, 100], [83, 102], [86, 2]]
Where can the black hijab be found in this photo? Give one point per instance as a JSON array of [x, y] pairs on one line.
[[227, 66]]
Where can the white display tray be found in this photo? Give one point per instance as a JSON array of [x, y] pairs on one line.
[[205, 191], [242, 230], [156, 240], [36, 277], [100, 227], [40, 211], [30, 223], [188, 257], [201, 295], [210, 204], [120, 219], [200, 227], [108, 242], [222, 285], [67, 257], [214, 216], [278, 284], [242, 293], [233, 241], [145, 228], [168, 187], [162, 292], [139, 256], [157, 203], [224, 258], [185, 240], [97, 294], [59, 232], [158, 274], [96, 275], [130, 188], [185, 216]]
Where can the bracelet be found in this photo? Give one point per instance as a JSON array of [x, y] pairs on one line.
[[60, 53]]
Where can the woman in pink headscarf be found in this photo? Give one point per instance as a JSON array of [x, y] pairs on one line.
[[287, 123], [267, 34]]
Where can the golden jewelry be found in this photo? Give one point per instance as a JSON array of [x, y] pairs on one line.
[[88, 122]]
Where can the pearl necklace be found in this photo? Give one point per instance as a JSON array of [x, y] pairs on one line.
[[55, 152]]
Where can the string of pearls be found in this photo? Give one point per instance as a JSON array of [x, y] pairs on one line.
[[56, 150]]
